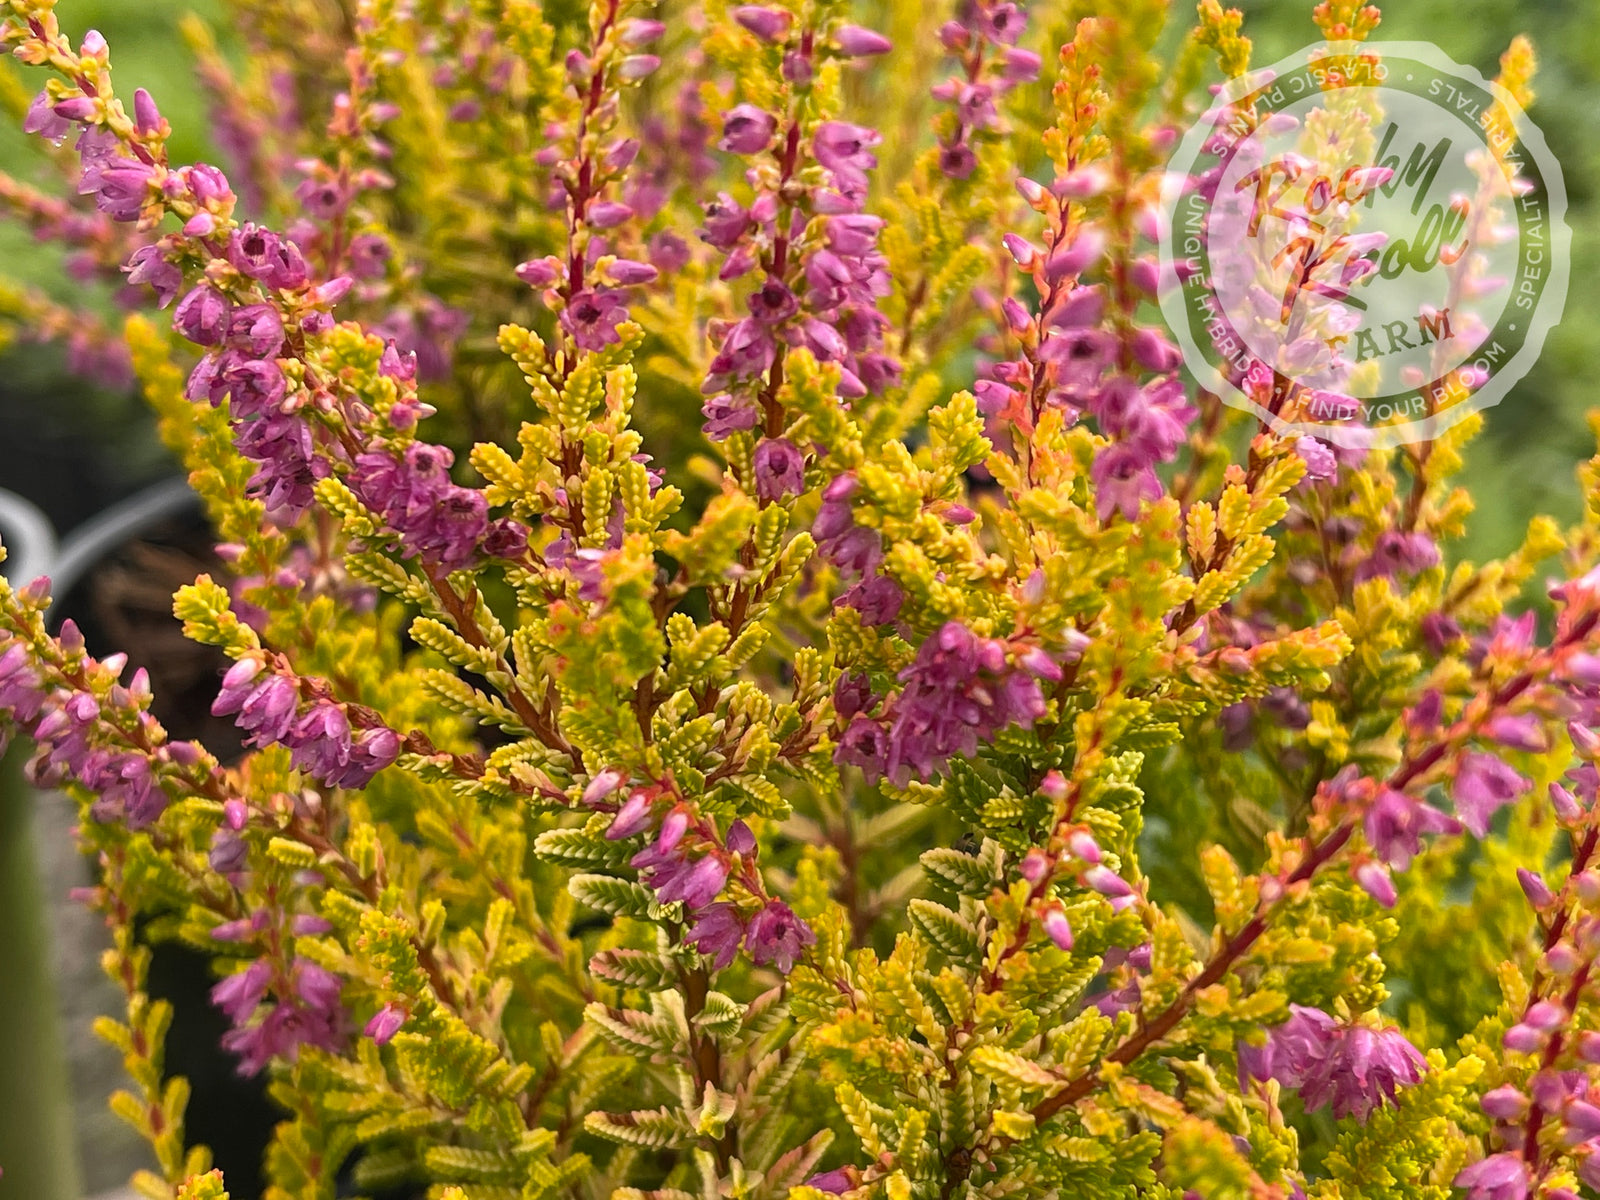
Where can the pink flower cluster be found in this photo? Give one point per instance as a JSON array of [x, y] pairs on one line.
[[266, 703], [960, 692], [1352, 1067]]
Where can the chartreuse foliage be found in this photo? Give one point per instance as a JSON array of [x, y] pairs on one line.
[[979, 766]]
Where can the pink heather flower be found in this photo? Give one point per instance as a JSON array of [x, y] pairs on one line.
[[539, 272], [959, 692], [209, 185], [320, 740], [1582, 1121], [1123, 478], [768, 24], [1523, 1038], [627, 272], [436, 520], [146, 116], [1058, 929], [1505, 1103], [1545, 1016], [592, 315], [1074, 258], [637, 66], [855, 42], [1397, 554], [747, 352], [1319, 460], [852, 693], [1498, 1177], [385, 1023], [1112, 886], [42, 119], [697, 884], [864, 744], [1354, 1068], [726, 414], [311, 1015], [256, 330], [834, 1183], [747, 129], [878, 600], [631, 818], [640, 31], [229, 854], [606, 214], [238, 995], [725, 222], [779, 468], [1535, 889], [1521, 731], [1484, 785], [775, 935], [1034, 865], [369, 255], [78, 109], [266, 711], [1375, 880], [717, 933], [149, 265], [844, 149], [263, 255], [602, 785], [203, 316], [1396, 823]]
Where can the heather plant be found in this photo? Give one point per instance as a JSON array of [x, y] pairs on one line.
[[758, 676]]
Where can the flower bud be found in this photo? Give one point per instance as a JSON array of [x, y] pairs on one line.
[[1565, 803], [1057, 926], [1024, 253], [1546, 1016], [146, 116], [78, 108], [607, 214], [640, 31], [1587, 884], [1505, 1103], [626, 271], [1582, 1120], [1375, 880], [1561, 959], [539, 272], [385, 1023], [1588, 1046], [768, 24], [1035, 865], [1031, 191], [1084, 848], [1584, 740], [1535, 889], [1524, 1039], [855, 42], [631, 818], [637, 66], [602, 785]]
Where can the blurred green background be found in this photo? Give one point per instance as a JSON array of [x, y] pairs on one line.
[[1523, 464]]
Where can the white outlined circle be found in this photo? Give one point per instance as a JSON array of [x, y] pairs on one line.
[[1344, 253]]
